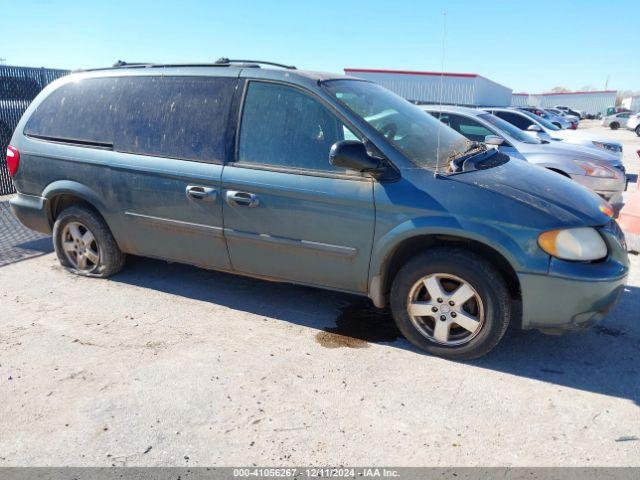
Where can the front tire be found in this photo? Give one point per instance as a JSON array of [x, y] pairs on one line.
[[614, 126], [638, 130], [451, 303], [84, 244]]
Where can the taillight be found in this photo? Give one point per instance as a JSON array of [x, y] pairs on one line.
[[13, 160]]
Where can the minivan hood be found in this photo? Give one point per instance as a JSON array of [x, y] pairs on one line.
[[546, 191]]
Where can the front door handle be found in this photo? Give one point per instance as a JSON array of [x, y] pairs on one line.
[[199, 192], [242, 199]]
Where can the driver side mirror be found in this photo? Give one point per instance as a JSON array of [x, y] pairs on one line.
[[534, 128], [493, 140], [352, 155]]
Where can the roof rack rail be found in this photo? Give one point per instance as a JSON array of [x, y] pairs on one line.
[[227, 61], [122, 63], [221, 62]]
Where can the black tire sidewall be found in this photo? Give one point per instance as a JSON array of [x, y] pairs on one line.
[[109, 261], [480, 275], [614, 126]]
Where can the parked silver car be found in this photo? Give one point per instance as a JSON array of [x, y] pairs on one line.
[[538, 126], [574, 119], [581, 114], [616, 120], [595, 170], [553, 118]]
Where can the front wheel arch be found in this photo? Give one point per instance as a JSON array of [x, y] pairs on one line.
[[414, 246]]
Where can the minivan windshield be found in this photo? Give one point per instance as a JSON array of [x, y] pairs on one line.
[[411, 130], [544, 122], [506, 127]]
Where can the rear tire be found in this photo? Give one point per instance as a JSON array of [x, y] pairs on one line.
[[614, 125], [84, 244], [441, 287]]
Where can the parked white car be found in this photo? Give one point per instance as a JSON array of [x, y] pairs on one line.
[[616, 120], [633, 123]]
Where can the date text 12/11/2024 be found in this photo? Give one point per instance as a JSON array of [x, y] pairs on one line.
[[314, 473]]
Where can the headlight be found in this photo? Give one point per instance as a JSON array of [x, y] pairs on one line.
[[573, 244], [593, 169], [612, 147]]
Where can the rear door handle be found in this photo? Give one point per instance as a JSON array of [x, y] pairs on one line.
[[199, 192], [242, 199]]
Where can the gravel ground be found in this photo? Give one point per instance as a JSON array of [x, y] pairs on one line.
[[167, 364]]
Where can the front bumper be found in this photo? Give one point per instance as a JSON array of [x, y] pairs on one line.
[[32, 211], [575, 295]]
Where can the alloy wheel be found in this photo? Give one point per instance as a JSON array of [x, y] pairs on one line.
[[80, 247], [446, 309]]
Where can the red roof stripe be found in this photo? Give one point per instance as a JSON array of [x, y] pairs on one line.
[[410, 72], [579, 92]]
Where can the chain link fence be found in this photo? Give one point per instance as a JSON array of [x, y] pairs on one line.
[[18, 87]]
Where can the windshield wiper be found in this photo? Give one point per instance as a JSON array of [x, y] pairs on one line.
[[456, 159]]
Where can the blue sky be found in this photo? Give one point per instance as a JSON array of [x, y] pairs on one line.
[[529, 46]]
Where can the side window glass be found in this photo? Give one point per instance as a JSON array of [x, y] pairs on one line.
[[81, 111], [175, 117], [444, 118], [513, 118], [284, 127], [470, 128]]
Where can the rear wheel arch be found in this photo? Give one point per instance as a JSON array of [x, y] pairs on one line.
[[60, 202], [413, 246], [63, 194]]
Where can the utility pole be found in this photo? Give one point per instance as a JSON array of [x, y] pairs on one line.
[[606, 83]]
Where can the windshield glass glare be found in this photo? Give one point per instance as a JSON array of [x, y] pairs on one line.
[[509, 129], [412, 131]]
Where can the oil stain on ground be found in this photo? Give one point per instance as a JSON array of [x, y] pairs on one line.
[[359, 324]]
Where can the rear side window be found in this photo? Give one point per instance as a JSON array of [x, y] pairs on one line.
[[174, 117], [284, 127], [83, 111]]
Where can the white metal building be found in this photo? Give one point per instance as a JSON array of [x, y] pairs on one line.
[[590, 102], [468, 89], [519, 99], [632, 103]]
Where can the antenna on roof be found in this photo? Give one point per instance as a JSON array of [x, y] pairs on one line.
[[444, 37]]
